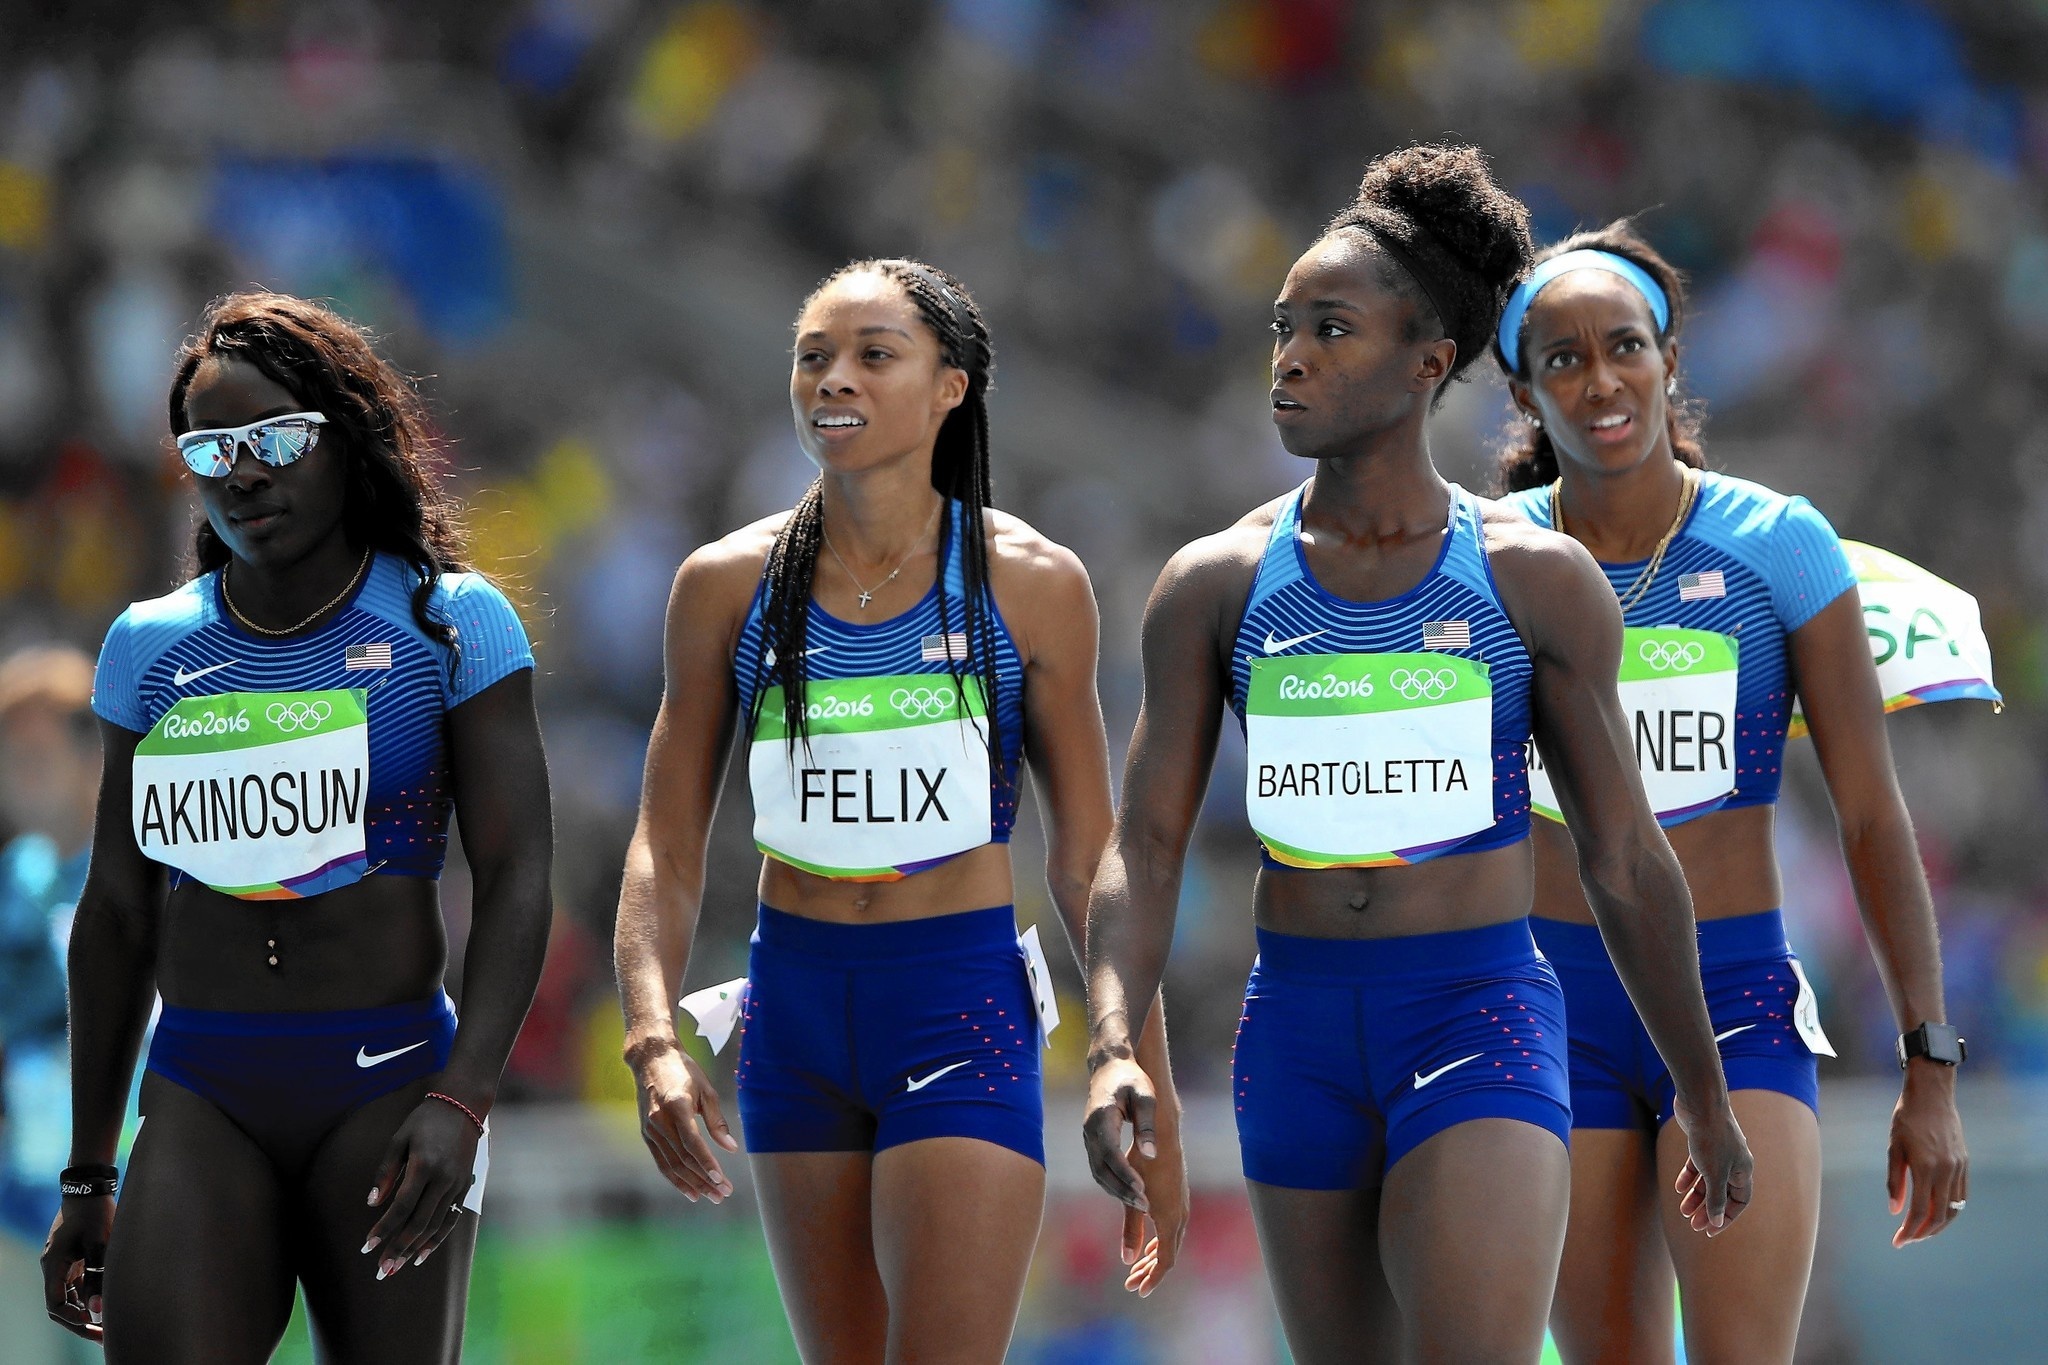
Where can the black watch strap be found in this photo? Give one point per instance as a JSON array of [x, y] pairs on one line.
[[1938, 1043]]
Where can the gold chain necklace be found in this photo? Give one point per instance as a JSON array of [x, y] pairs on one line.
[[866, 593], [332, 603], [1640, 588]]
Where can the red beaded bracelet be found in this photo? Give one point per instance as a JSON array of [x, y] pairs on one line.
[[469, 1112]]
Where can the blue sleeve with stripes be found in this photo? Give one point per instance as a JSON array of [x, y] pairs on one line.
[[1804, 565], [493, 640], [114, 695]]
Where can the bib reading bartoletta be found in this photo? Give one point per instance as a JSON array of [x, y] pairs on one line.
[[1381, 733], [895, 774], [283, 768]]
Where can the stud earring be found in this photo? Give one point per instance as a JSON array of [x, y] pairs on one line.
[[1535, 421], [1671, 388]]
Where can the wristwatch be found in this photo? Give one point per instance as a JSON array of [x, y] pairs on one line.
[[1936, 1042]]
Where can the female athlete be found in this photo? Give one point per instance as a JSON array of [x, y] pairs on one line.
[[285, 736], [1734, 596], [890, 650], [1389, 643]]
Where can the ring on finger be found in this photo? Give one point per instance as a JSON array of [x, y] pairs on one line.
[[1956, 1205]]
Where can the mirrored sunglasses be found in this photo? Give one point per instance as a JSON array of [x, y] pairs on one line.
[[276, 441]]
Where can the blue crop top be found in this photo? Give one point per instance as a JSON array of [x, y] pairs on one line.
[[910, 643], [185, 645], [1748, 563], [1454, 610]]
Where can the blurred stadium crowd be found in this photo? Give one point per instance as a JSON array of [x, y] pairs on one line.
[[587, 223]]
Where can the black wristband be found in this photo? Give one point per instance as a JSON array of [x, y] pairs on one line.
[[89, 1182]]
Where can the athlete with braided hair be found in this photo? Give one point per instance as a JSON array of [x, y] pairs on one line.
[[893, 652], [1390, 643], [1735, 597]]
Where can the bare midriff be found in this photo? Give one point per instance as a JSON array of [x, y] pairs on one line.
[[1730, 860], [1460, 891], [975, 880]]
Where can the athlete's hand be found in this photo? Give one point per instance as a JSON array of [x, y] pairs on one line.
[[674, 1094], [74, 1256], [1120, 1092], [1714, 1187], [426, 1171], [1927, 1145], [1152, 1240]]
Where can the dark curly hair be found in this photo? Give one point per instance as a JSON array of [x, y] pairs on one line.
[[394, 500], [1527, 459], [1454, 241], [960, 471]]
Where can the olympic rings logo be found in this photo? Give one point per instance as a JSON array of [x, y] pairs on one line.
[[298, 715], [1423, 684], [1669, 656], [923, 703]]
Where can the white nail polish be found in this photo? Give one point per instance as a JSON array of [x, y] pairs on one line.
[[369, 1246], [380, 1272]]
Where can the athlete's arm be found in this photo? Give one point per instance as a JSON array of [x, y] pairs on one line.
[[663, 887], [112, 981], [1137, 887], [1566, 613], [1844, 708], [1068, 752], [500, 780]]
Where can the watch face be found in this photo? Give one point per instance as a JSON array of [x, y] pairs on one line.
[[1944, 1045]]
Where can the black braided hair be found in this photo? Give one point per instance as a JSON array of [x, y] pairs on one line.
[[1453, 241], [1528, 460], [960, 471]]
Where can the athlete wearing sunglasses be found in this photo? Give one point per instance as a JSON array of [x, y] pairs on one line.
[[276, 441], [286, 737]]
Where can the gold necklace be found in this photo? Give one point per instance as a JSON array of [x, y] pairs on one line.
[[1640, 588], [866, 593], [330, 605]]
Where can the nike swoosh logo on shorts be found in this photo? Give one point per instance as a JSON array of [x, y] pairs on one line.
[[1739, 1028], [1422, 1080], [366, 1058], [909, 1086], [1274, 646], [181, 677]]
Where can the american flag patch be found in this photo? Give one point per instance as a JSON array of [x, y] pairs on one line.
[[1696, 587], [365, 656], [1447, 635], [944, 648]]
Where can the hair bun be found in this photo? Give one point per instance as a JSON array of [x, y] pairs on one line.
[[1449, 192]]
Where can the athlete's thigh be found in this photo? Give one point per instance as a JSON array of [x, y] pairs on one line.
[[956, 1220], [412, 1317], [815, 1208], [1322, 1254], [198, 1269], [1743, 1291], [1471, 1230], [1613, 1303]]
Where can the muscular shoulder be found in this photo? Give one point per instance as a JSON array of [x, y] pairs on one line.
[[1545, 579], [729, 568]]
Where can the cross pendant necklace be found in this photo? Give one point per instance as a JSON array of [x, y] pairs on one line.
[[867, 594]]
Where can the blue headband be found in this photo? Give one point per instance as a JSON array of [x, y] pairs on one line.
[[1517, 311]]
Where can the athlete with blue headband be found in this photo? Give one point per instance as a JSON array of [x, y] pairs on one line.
[[1733, 597]]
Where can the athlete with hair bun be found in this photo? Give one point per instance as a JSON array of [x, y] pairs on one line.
[[891, 653], [285, 739], [1390, 643], [1735, 597]]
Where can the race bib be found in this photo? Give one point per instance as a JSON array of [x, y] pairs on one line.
[[895, 776], [1678, 693], [1367, 760], [257, 794], [1925, 633]]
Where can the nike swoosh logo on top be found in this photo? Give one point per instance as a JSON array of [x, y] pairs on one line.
[[909, 1086], [1422, 1080], [181, 677], [1739, 1028], [1274, 646], [364, 1057]]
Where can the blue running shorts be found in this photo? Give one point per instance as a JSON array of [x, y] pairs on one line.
[[862, 1037], [1351, 1053], [287, 1079], [1619, 1081]]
